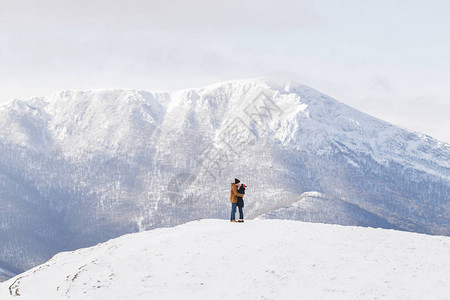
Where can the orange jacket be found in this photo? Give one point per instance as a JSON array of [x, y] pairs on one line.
[[234, 193]]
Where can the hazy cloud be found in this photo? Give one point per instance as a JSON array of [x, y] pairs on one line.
[[142, 14], [392, 51]]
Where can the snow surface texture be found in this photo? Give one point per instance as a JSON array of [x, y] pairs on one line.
[[260, 259], [78, 168]]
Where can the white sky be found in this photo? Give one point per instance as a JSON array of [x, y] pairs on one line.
[[387, 58]]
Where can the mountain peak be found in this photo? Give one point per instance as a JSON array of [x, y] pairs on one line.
[[79, 168]]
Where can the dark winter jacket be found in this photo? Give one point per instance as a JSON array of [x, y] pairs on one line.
[[240, 200]]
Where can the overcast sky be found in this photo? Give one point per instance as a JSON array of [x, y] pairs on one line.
[[387, 58]]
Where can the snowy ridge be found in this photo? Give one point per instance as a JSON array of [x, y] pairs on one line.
[[319, 208], [5, 274], [97, 121], [78, 168], [264, 259], [76, 123]]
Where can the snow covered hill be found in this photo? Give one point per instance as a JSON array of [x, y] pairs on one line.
[[78, 168], [260, 259]]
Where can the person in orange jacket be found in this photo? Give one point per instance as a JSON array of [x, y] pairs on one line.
[[233, 194]]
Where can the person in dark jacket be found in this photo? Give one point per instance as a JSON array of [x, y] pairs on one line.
[[240, 201], [233, 199]]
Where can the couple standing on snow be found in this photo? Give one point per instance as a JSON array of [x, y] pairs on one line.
[[236, 194]]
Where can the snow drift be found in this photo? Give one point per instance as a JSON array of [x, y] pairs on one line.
[[261, 259]]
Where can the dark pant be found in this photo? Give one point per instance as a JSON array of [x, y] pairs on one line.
[[233, 211], [241, 213], [240, 205]]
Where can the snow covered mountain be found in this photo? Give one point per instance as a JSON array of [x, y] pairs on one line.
[[78, 168], [319, 208], [260, 259]]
